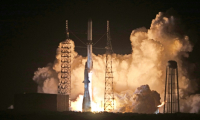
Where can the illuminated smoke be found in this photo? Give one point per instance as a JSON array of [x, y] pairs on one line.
[[190, 104], [146, 65], [143, 100], [47, 79]]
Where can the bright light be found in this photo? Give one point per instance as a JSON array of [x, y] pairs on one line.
[[77, 105], [161, 104], [96, 107]]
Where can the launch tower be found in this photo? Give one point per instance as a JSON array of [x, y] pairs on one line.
[[171, 96], [64, 86], [108, 93]]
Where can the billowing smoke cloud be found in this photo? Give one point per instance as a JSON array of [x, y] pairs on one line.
[[47, 79], [190, 104], [143, 100], [146, 65]]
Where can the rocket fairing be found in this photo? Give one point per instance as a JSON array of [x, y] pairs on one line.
[[89, 46], [86, 105]]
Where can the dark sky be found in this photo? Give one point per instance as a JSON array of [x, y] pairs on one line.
[[31, 31]]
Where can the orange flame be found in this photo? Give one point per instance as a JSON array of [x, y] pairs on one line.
[[163, 103], [77, 105]]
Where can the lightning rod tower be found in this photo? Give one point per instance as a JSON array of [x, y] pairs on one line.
[[108, 93], [64, 86]]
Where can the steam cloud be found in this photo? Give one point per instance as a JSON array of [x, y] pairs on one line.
[[139, 71]]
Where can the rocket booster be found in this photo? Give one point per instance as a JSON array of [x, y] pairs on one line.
[[86, 105], [89, 46]]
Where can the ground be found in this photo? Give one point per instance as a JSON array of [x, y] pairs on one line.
[[49, 115]]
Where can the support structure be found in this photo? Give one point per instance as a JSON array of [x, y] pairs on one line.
[[171, 96], [64, 86], [108, 93]]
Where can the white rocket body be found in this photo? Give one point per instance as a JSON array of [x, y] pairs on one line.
[[89, 46], [86, 105]]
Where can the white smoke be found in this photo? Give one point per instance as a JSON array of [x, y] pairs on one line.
[[47, 79], [151, 49]]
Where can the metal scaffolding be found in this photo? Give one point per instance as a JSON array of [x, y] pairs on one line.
[[108, 93], [64, 86], [171, 96]]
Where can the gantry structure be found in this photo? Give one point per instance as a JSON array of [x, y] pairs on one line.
[[64, 86], [108, 93]]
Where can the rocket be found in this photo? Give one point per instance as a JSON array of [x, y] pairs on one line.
[[86, 105]]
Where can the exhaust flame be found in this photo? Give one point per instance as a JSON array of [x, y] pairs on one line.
[[139, 71], [97, 107], [77, 105], [163, 103]]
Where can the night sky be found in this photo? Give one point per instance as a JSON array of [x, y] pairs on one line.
[[30, 33]]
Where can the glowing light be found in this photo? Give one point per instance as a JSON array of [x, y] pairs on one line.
[[96, 107], [163, 103], [77, 105]]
